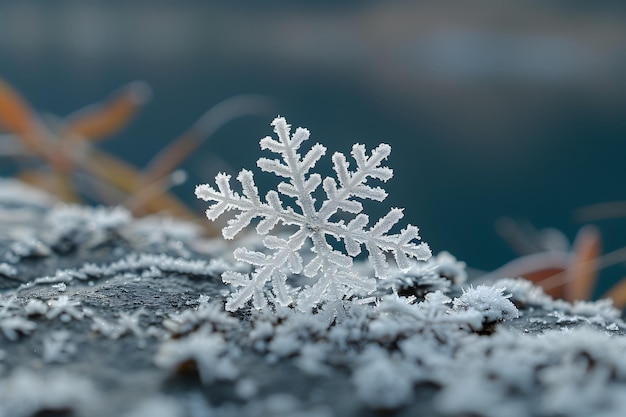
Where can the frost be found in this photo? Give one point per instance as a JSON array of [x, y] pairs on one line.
[[14, 193], [524, 292], [8, 305], [7, 270], [489, 301], [383, 383], [145, 265], [276, 405], [157, 232], [13, 326], [27, 393], [600, 309], [449, 267], [157, 407], [573, 373], [439, 273], [127, 323], [68, 225], [58, 348], [35, 307], [26, 246], [432, 318], [246, 388], [160, 229], [205, 314], [64, 308], [207, 352], [330, 270]]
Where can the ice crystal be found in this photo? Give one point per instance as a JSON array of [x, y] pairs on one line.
[[13, 326], [145, 265], [64, 308], [127, 324], [431, 317], [332, 268], [524, 292], [439, 273], [209, 315], [57, 347], [489, 301]]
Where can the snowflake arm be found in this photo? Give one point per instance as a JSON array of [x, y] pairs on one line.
[[267, 269]]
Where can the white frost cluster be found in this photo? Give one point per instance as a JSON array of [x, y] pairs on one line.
[[489, 301], [12, 322], [28, 393], [208, 351], [524, 292], [330, 269], [88, 226]]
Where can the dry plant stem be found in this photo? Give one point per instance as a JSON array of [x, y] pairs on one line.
[[602, 211], [604, 261], [583, 272], [70, 151], [217, 116], [98, 121], [618, 293]]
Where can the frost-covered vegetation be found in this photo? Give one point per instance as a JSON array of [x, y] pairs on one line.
[[102, 314]]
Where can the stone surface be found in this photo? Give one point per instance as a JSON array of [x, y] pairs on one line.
[[103, 315]]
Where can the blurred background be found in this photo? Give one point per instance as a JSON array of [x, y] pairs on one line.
[[492, 108]]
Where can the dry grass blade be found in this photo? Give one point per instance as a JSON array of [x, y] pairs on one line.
[[126, 178], [103, 119], [176, 152], [67, 153], [582, 273], [15, 114], [55, 183], [602, 211], [154, 198], [618, 294], [112, 170]]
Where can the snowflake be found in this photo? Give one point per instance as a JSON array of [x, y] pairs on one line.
[[65, 308], [58, 348], [332, 268], [13, 326], [127, 324]]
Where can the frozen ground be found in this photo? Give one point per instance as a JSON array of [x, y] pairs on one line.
[[102, 314]]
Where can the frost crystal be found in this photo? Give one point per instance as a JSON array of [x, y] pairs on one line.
[[65, 308], [489, 301], [332, 268]]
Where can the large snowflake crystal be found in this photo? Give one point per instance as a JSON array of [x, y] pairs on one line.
[[330, 270]]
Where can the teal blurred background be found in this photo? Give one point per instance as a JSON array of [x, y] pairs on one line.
[[492, 108]]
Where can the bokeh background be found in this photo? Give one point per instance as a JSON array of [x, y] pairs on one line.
[[492, 108]]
